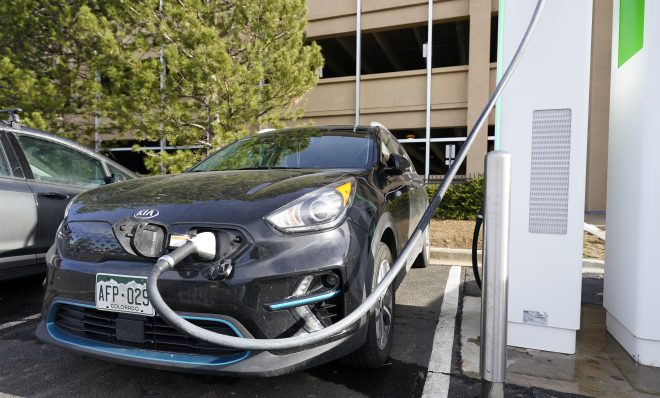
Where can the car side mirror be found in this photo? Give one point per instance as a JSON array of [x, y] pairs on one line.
[[111, 179], [396, 165]]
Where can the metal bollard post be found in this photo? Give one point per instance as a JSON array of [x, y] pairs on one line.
[[495, 274]]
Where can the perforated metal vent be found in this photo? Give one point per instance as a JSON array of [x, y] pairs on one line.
[[549, 174]]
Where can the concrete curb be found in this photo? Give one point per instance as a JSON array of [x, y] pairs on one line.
[[593, 266], [463, 258], [447, 256]]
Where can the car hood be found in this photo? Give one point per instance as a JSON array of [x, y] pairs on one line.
[[226, 196]]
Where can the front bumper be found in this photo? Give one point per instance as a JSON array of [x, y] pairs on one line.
[[265, 274], [244, 363]]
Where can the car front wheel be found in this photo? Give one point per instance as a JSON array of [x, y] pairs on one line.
[[376, 350]]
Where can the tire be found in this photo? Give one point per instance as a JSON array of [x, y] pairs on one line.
[[424, 258], [376, 350]]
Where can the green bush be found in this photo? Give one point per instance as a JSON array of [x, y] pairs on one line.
[[461, 202]]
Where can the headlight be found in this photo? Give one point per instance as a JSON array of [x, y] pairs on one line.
[[322, 209]]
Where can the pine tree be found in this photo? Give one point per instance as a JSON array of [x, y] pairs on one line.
[[227, 67], [188, 71], [47, 62]]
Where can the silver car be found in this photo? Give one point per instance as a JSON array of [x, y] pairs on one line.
[[39, 174]]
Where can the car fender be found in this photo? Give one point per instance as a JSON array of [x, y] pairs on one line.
[[385, 221]]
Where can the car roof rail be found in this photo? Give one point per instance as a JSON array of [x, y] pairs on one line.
[[265, 130], [379, 125], [12, 117]]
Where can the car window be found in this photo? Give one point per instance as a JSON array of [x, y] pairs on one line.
[[56, 163], [296, 149], [4, 165], [387, 146], [402, 152], [385, 153], [119, 175]]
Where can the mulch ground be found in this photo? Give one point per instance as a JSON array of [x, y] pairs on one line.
[[457, 234]]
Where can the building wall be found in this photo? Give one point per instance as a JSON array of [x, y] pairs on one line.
[[397, 99], [599, 107]]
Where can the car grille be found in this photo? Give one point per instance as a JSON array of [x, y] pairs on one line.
[[90, 241], [95, 242], [158, 335]]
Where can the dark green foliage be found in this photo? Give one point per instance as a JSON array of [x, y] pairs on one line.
[[461, 202], [228, 66]]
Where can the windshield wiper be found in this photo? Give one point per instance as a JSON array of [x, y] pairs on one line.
[[251, 168], [264, 168]]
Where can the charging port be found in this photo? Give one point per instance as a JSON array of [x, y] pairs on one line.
[[141, 238]]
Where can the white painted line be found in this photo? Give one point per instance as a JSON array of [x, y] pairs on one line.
[[437, 378], [594, 230], [437, 263], [18, 322]]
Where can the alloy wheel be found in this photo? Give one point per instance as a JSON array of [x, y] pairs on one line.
[[384, 309]]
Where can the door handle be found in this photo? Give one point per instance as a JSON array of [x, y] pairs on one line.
[[54, 195]]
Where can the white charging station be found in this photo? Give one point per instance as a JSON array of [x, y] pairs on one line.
[[632, 270], [542, 121]]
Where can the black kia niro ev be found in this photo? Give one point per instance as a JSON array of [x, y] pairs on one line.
[[307, 221]]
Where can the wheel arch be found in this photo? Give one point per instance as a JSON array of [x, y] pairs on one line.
[[385, 232], [389, 239]]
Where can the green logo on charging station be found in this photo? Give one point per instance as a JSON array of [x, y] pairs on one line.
[[631, 29]]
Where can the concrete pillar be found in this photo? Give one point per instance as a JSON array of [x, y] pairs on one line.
[[599, 107], [478, 79]]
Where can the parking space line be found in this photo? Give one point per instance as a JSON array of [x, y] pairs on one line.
[[439, 369], [18, 322]]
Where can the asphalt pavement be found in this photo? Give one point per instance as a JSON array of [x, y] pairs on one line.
[[418, 366], [30, 368]]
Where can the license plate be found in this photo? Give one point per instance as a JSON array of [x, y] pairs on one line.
[[123, 293]]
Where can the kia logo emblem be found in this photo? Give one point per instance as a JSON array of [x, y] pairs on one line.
[[146, 213]]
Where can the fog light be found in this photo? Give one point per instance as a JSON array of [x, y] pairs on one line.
[[312, 323], [303, 286], [330, 281]]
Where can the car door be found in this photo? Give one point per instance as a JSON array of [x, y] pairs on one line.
[[418, 195], [56, 173], [18, 216], [397, 190]]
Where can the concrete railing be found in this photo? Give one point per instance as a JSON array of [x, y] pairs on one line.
[[396, 99], [328, 18]]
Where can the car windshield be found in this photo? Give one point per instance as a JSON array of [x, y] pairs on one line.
[[294, 149]]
